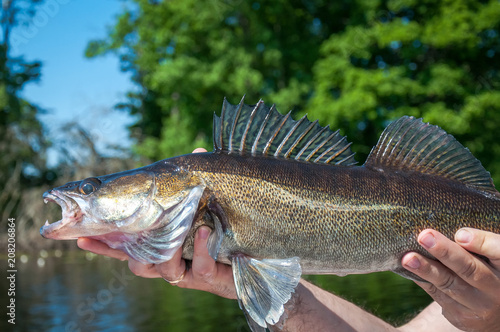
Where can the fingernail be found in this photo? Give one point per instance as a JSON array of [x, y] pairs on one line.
[[413, 263], [463, 236], [203, 233], [428, 241]]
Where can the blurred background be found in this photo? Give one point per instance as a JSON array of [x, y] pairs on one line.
[[95, 87]]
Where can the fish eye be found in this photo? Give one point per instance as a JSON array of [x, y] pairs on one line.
[[88, 186]]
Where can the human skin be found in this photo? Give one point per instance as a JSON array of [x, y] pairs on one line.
[[466, 289], [465, 286]]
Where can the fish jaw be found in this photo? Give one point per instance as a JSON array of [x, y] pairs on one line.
[[71, 215], [75, 220]]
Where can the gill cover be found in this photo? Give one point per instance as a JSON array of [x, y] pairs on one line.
[[121, 199], [159, 244]]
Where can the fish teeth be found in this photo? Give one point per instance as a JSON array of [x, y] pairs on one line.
[[46, 223], [45, 200]]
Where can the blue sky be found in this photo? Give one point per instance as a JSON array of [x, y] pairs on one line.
[[72, 87]]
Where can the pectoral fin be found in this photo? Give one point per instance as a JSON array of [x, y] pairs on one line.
[[264, 286], [159, 245], [219, 224], [215, 238], [254, 327]]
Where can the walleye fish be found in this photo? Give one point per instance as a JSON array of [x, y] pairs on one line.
[[284, 198]]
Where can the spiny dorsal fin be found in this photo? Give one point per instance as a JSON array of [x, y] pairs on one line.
[[260, 130], [410, 144]]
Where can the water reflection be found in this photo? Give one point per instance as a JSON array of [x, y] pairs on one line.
[[72, 293]]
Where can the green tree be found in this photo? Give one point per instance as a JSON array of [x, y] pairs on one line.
[[22, 143], [186, 55], [20, 130], [439, 60]]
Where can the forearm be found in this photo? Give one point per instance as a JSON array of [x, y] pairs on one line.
[[430, 319], [314, 309]]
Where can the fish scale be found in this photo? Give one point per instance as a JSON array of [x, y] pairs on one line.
[[333, 212], [284, 198]]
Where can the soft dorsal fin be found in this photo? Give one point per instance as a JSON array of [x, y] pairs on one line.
[[260, 130], [410, 144]]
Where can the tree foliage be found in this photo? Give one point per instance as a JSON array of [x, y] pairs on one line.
[[187, 55], [21, 134], [22, 144], [352, 64], [434, 59]]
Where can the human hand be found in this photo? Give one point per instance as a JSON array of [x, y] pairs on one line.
[[466, 287], [205, 273]]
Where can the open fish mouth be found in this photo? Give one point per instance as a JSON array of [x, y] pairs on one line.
[[71, 214]]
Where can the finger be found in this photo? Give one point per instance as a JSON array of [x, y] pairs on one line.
[[206, 272], [100, 248], [198, 150], [204, 266], [444, 286], [481, 317], [466, 266], [437, 295], [451, 309], [143, 270], [481, 242], [174, 269]]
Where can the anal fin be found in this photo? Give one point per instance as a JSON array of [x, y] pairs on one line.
[[264, 286]]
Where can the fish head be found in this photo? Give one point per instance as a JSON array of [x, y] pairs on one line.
[[99, 205], [146, 212]]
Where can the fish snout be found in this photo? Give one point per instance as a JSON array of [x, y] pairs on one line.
[[71, 215]]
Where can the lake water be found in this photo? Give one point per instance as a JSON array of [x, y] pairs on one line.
[[78, 292]]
